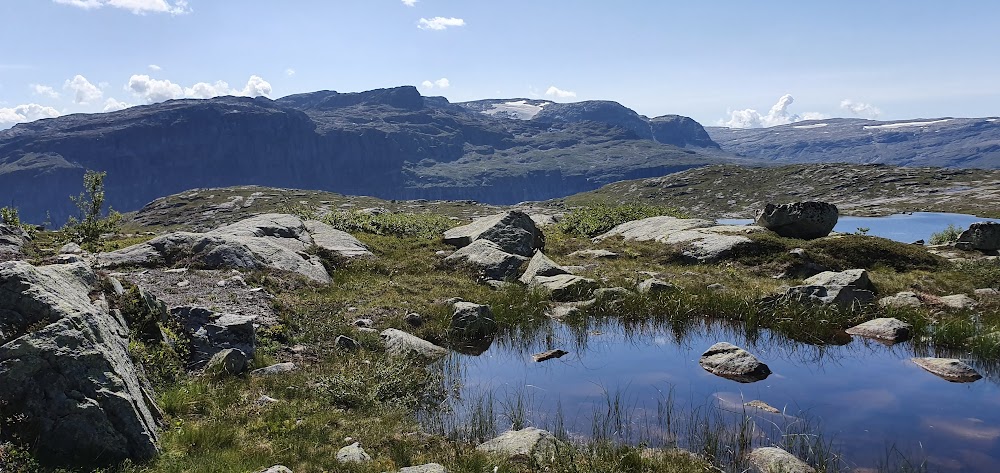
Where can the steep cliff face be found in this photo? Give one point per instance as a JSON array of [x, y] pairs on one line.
[[945, 142], [390, 143]]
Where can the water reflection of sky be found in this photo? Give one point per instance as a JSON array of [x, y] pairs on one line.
[[899, 227], [866, 397]]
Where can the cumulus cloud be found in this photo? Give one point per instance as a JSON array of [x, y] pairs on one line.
[[83, 91], [25, 113], [113, 105], [138, 7], [778, 115], [157, 90], [154, 67], [558, 93], [439, 23], [860, 109], [442, 83], [410, 3], [44, 91]]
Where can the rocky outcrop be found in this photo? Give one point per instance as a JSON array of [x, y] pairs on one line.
[[488, 260], [211, 333], [527, 445], [885, 329], [844, 288], [680, 131], [805, 220], [950, 369], [513, 232], [776, 460], [699, 240], [732, 362], [269, 241], [983, 236], [470, 321], [12, 238], [67, 374], [400, 343]]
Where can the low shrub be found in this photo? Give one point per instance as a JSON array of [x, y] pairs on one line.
[[949, 235], [397, 224]]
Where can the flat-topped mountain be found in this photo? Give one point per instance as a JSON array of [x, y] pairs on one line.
[[390, 143], [945, 142]]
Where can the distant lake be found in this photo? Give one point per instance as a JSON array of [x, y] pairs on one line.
[[905, 228]]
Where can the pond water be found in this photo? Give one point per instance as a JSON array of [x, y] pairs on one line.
[[905, 228], [863, 399]]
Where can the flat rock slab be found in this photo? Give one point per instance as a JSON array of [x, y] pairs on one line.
[[548, 355], [958, 302], [566, 287], [337, 241], [428, 468], [776, 460], [951, 369], [852, 277], [593, 254], [275, 369], [761, 405], [529, 444], [732, 362], [701, 239], [400, 343], [886, 329], [901, 299]]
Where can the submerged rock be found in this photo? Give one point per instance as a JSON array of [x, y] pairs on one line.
[[529, 444], [513, 232], [951, 369], [488, 259], [548, 355], [66, 370], [732, 362], [776, 460], [983, 236], [761, 405], [805, 220], [400, 343], [886, 329]]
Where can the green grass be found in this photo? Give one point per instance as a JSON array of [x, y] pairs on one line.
[[398, 224], [594, 220]]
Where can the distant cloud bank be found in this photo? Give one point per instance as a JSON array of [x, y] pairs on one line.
[[138, 7], [777, 115]]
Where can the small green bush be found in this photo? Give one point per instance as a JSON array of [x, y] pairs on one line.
[[595, 220], [10, 217], [949, 235], [87, 230], [397, 224]]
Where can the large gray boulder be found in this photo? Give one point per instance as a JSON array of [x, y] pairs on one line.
[[488, 259], [699, 240], [400, 343], [12, 238], [67, 374], [513, 232], [776, 460], [805, 220], [269, 241], [212, 332], [732, 362], [353, 453], [472, 321], [844, 288], [983, 236], [566, 287], [528, 444], [541, 265]]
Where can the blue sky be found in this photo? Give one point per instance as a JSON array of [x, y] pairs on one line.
[[718, 62]]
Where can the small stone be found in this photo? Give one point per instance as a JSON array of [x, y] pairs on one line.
[[277, 469], [594, 254], [353, 453], [116, 286], [611, 294], [71, 249], [986, 292], [950, 369], [958, 302], [732, 362], [184, 283], [716, 287], [776, 460], [264, 400], [221, 283], [175, 270], [655, 286], [902, 299], [548, 355], [367, 323], [427, 468], [274, 369], [414, 319], [346, 343], [529, 444], [229, 361], [887, 329]]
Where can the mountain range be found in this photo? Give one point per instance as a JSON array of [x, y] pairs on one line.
[[397, 144]]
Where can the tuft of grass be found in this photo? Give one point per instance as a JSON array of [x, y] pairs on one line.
[[595, 220]]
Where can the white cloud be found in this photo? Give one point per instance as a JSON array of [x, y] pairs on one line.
[[442, 83], [44, 91], [138, 7], [157, 90], [289, 72], [439, 23], [113, 105], [778, 115], [154, 67], [860, 109], [153, 90], [83, 91], [410, 3], [558, 93], [25, 113]]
